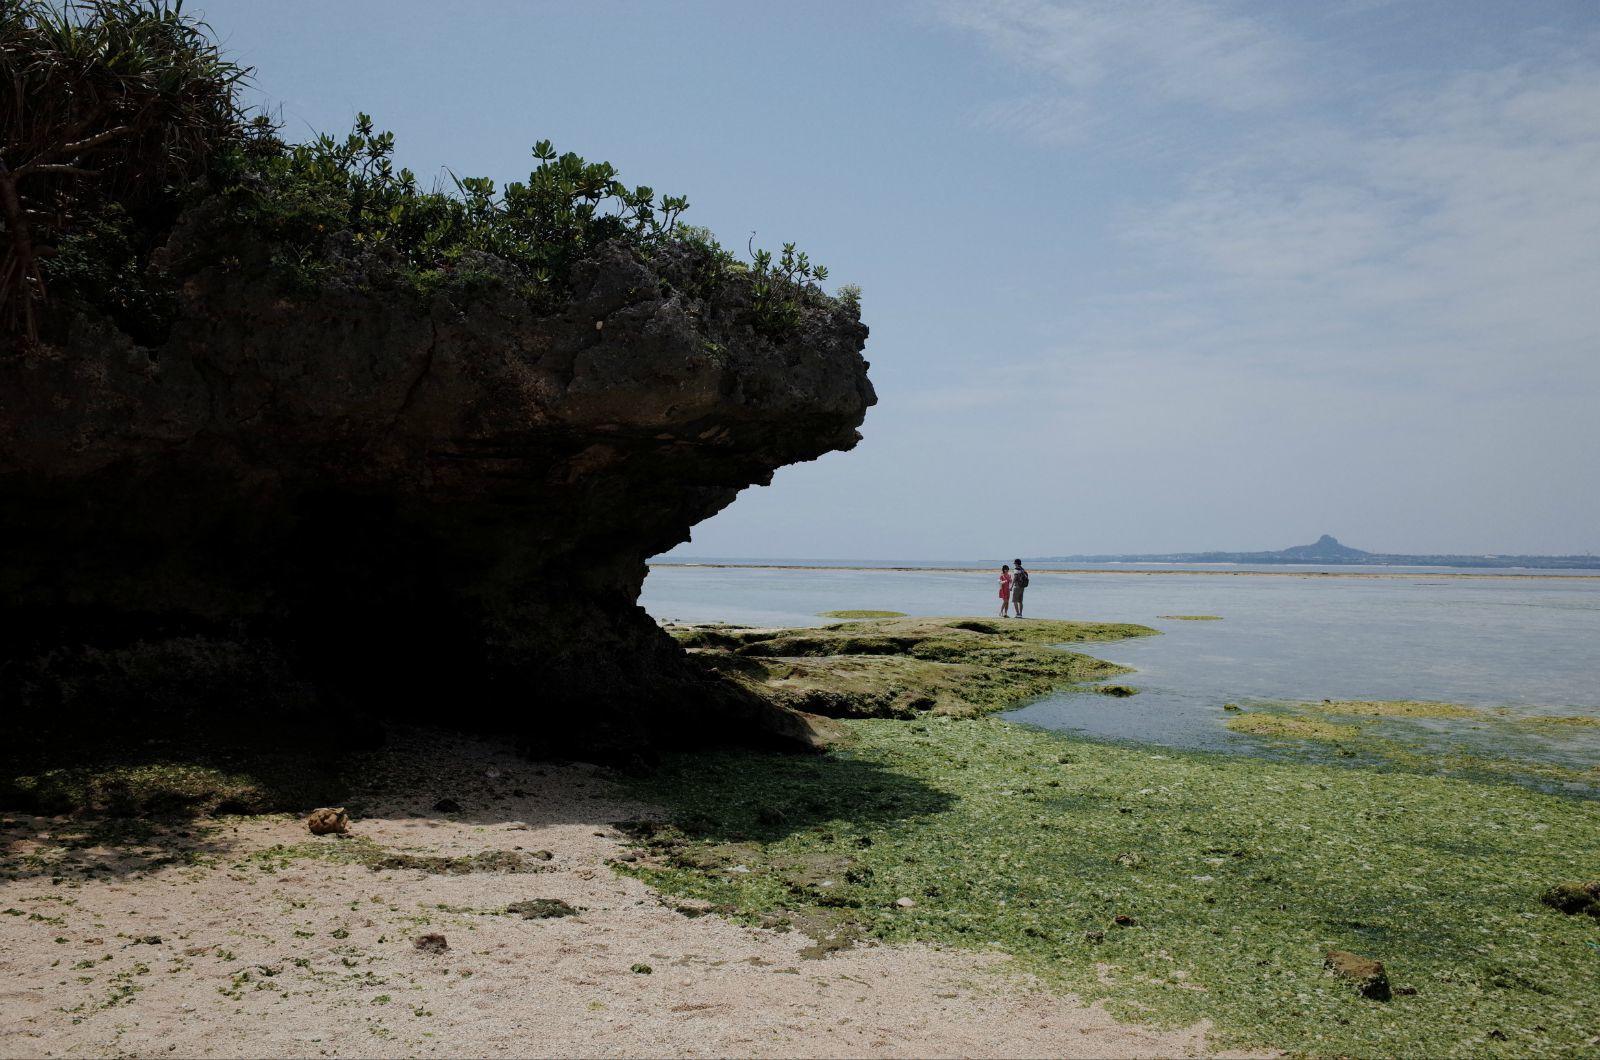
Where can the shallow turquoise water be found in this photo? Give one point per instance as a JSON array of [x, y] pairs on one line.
[[1528, 644]]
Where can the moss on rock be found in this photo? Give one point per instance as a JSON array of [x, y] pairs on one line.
[[359, 850], [1393, 708], [1573, 898], [861, 614], [1287, 726], [898, 668], [263, 784]]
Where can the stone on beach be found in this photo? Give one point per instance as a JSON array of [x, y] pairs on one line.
[[328, 820]]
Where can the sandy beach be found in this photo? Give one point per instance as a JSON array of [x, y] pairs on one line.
[[243, 938]]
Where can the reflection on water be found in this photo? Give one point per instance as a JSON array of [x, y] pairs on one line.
[[1528, 644]]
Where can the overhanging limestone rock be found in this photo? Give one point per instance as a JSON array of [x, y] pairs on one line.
[[433, 508]]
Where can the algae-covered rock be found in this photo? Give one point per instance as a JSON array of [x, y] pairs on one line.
[[1393, 708], [1367, 976], [898, 668], [1574, 897], [542, 909], [433, 942], [1290, 727]]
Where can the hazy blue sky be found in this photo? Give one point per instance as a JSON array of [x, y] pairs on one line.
[[1140, 276]]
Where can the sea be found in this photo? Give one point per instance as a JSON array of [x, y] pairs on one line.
[[1511, 640]]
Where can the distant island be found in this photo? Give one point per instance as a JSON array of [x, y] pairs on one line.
[[1327, 550]]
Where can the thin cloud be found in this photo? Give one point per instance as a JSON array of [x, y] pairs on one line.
[[1159, 51], [1462, 223]]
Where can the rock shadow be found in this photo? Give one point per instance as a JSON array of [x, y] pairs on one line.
[[735, 796]]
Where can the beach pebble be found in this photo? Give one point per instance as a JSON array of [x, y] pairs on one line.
[[328, 819], [905, 903]]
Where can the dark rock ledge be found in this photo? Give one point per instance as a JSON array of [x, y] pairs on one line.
[[365, 501]]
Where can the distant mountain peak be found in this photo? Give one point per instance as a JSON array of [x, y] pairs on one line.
[[1326, 547], [1327, 551]]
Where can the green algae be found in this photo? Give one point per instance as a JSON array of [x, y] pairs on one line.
[[359, 850], [261, 784], [861, 614], [1287, 726], [1416, 735], [1393, 708], [1173, 886], [1558, 721], [903, 667], [1240, 875]]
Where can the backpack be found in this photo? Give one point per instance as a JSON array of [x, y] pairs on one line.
[[1020, 579]]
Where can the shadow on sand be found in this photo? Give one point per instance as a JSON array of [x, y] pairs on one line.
[[96, 812]]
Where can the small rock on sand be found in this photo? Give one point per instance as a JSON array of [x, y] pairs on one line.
[[328, 819], [431, 943], [542, 909]]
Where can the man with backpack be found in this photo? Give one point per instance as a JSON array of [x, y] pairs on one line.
[[1019, 582]]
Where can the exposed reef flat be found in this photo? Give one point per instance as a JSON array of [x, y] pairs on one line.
[[1551, 751], [905, 666], [1171, 886]]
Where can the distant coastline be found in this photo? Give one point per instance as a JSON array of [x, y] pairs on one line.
[[910, 568], [1327, 550]]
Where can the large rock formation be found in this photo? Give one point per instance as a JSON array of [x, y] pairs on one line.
[[362, 497]]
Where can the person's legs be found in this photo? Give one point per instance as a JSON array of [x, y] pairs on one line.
[[1005, 602], [1016, 600]]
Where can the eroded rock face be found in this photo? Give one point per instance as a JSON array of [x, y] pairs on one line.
[[440, 509]]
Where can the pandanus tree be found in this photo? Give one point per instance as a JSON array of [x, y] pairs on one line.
[[102, 103]]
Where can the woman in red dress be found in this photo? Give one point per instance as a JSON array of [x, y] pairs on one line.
[[1005, 590]]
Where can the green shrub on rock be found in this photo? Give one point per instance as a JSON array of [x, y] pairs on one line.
[[135, 123]]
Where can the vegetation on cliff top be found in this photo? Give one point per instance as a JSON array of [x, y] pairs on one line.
[[112, 104], [134, 115]]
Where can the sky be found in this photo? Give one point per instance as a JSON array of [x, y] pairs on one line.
[[1142, 275]]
